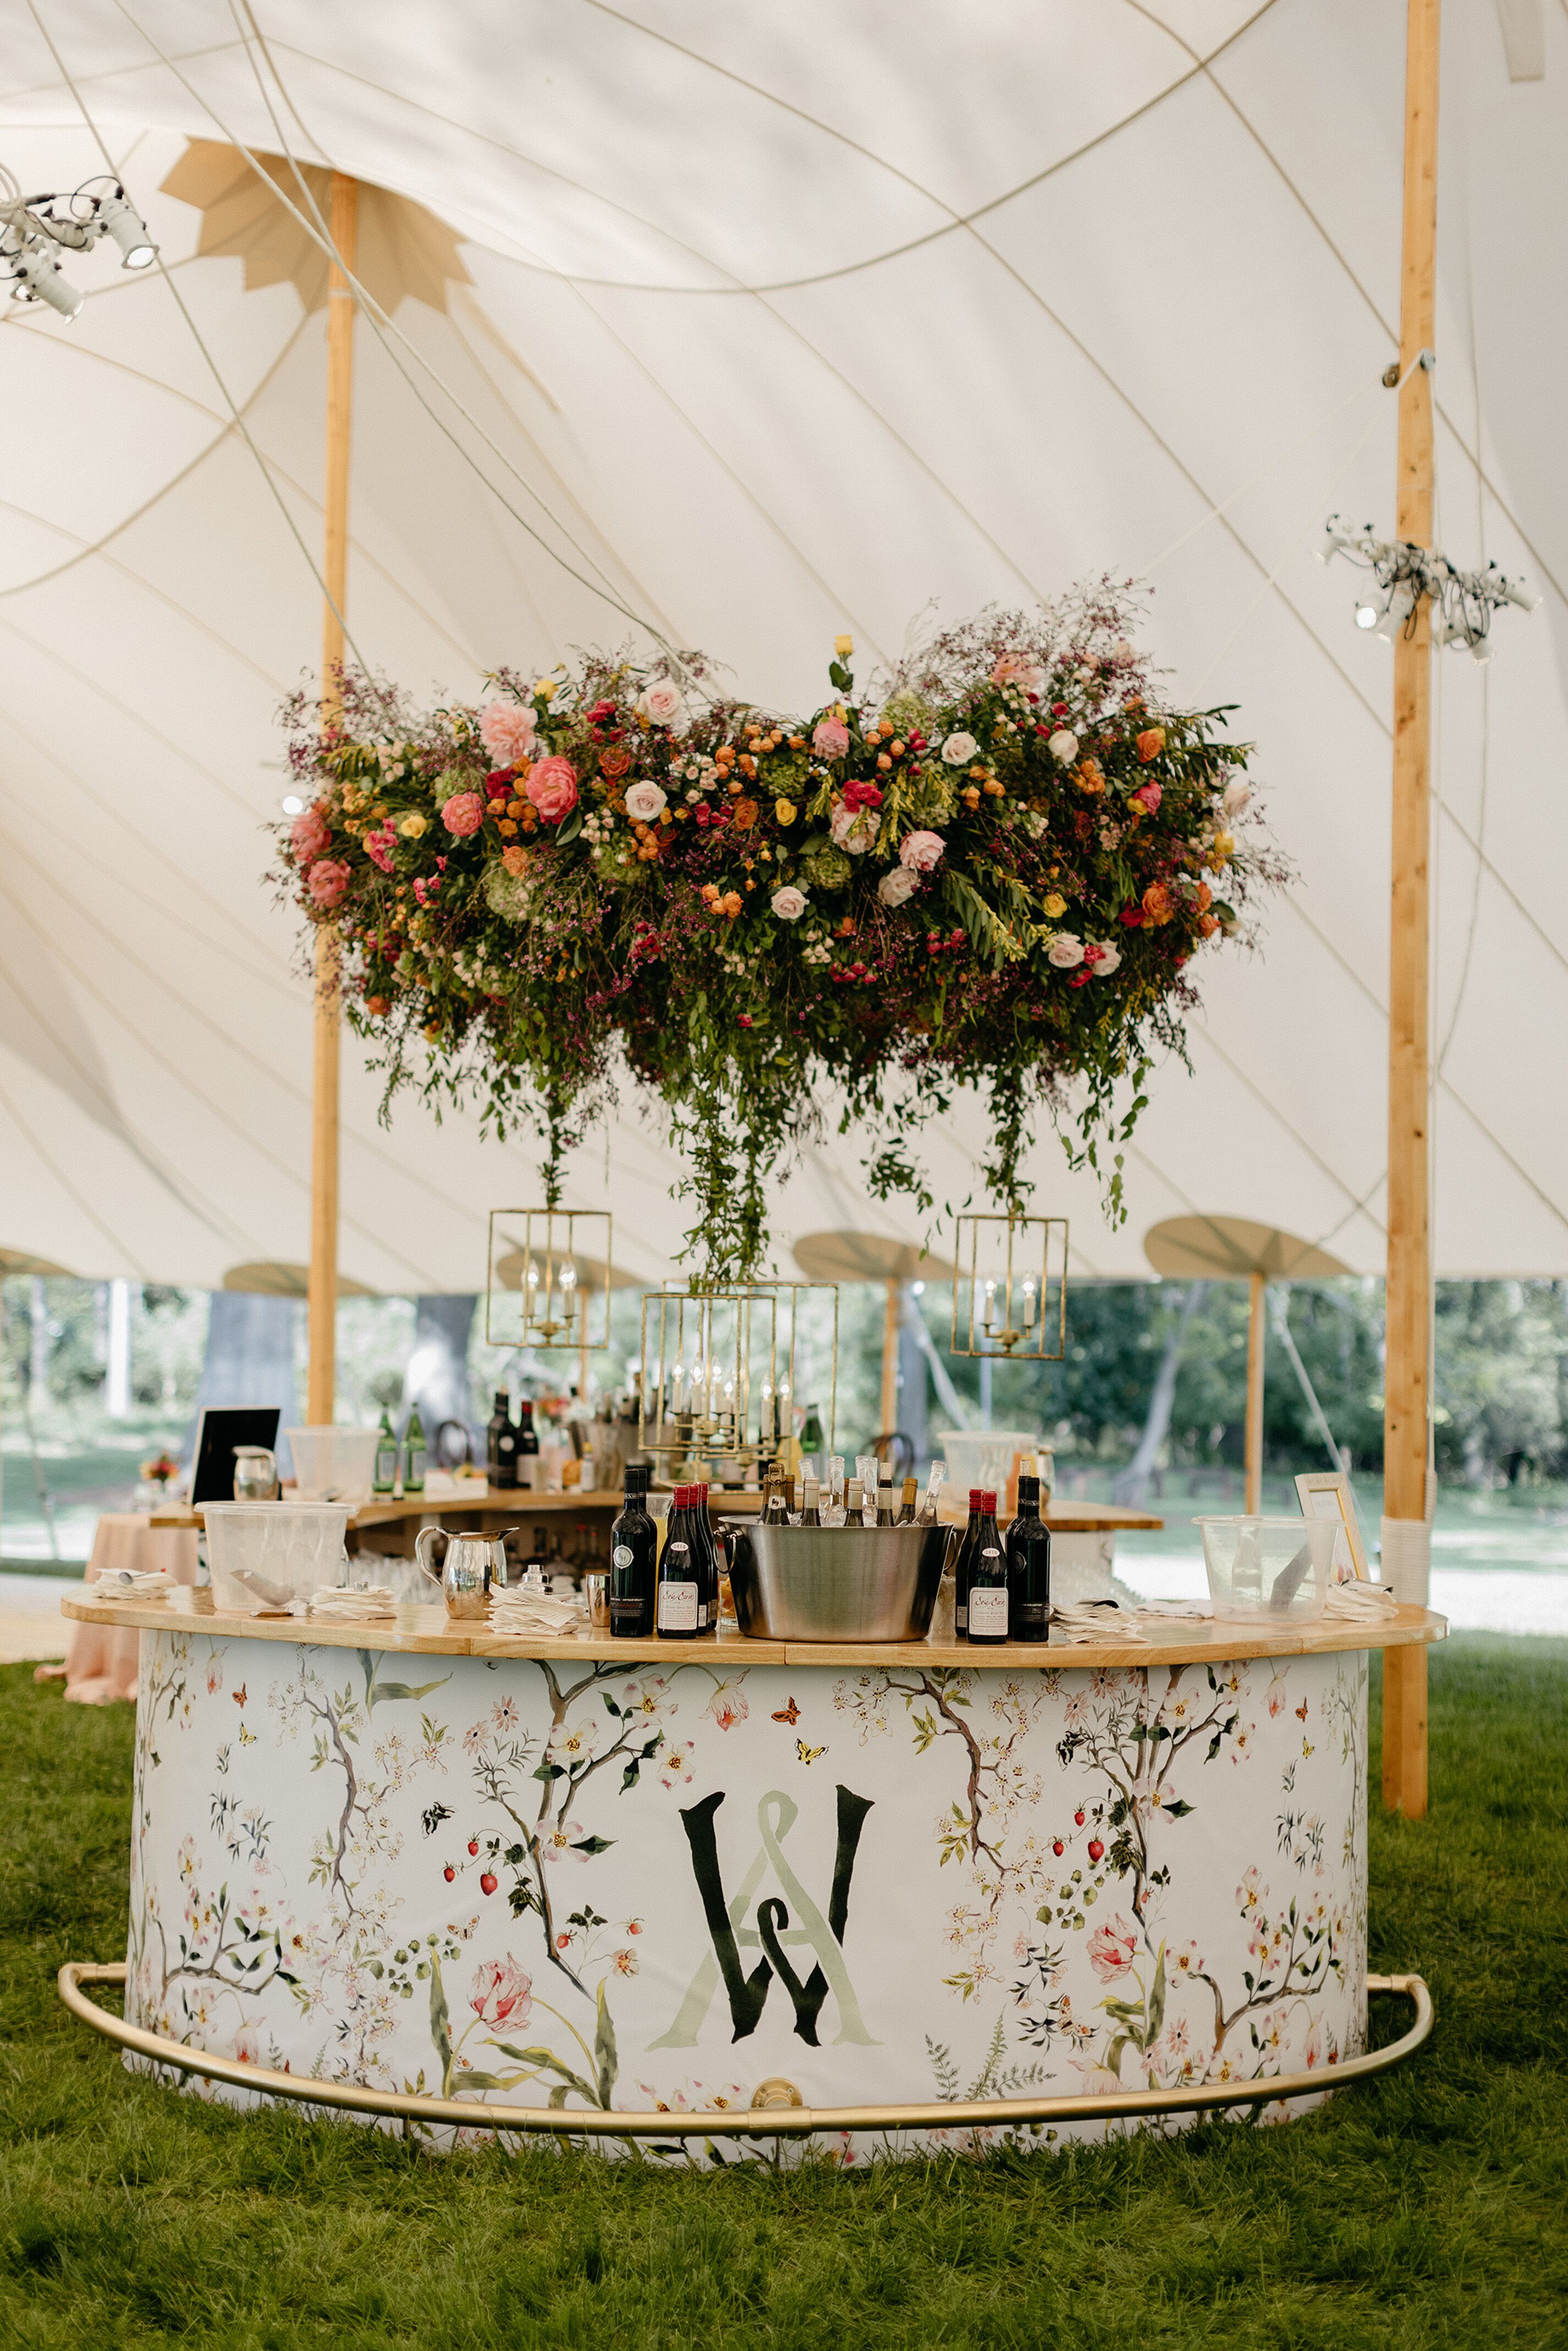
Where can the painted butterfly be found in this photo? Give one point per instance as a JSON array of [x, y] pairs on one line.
[[1307, 1748], [808, 1754], [247, 1738], [789, 1714]]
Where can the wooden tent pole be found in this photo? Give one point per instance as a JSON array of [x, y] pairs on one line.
[[891, 1319], [1258, 1289], [323, 1289], [1409, 1287]]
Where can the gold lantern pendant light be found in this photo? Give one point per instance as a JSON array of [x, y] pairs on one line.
[[1009, 1297], [550, 1278], [721, 1369]]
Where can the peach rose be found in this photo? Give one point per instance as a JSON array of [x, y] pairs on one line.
[[1151, 743], [1063, 746], [921, 850], [514, 859], [328, 879], [309, 834], [788, 903], [830, 738], [463, 814], [661, 704], [508, 732], [552, 787], [646, 803], [1018, 669], [1065, 951], [897, 884]]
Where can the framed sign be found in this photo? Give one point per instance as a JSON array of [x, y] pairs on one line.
[[1326, 1494]]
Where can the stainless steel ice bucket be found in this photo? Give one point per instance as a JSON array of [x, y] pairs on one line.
[[835, 1584]]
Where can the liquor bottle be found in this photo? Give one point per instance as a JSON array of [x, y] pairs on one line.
[[528, 1470], [383, 1478], [810, 1510], [811, 1437], [989, 1593], [1029, 1567], [413, 1454], [906, 1508], [680, 1594], [634, 1548], [885, 1511], [961, 1568], [501, 1446]]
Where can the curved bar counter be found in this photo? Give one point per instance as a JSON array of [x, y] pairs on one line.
[[594, 1875]]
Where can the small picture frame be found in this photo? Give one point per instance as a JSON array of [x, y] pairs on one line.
[[1326, 1494]]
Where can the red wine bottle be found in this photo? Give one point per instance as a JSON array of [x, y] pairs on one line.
[[680, 1587], [986, 1539], [989, 1593], [633, 1548], [1028, 1568], [961, 1568], [707, 1554]]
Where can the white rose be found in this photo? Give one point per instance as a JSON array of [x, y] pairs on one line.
[[1102, 957], [1063, 746], [896, 884], [1064, 951], [788, 903], [661, 704], [646, 803], [959, 749], [1237, 796]]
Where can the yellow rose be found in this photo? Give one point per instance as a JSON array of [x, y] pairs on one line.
[[413, 825], [545, 688], [1224, 846], [844, 647], [1055, 905], [786, 812]]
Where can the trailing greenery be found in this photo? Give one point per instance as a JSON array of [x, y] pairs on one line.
[[994, 869], [1424, 2209]]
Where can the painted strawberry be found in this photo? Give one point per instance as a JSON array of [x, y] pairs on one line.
[[488, 1883], [449, 1873], [1077, 1821], [473, 1842], [1057, 1846], [1095, 1848]]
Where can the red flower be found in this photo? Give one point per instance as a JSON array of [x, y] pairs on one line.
[[499, 784], [859, 795], [1133, 916], [744, 1021]]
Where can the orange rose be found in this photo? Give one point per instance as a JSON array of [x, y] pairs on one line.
[[378, 1005], [614, 762], [1204, 900], [1158, 906], [514, 859], [1206, 925], [744, 815], [1090, 778], [1151, 743]]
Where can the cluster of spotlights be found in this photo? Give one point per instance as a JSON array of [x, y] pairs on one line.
[[1462, 603], [35, 230]]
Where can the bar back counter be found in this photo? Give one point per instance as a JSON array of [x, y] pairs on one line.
[[681, 1893]]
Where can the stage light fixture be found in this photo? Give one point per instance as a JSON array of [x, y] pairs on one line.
[[124, 224], [39, 278], [34, 231]]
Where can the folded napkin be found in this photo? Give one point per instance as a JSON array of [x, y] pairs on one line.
[[1358, 1603], [375, 1600], [518, 1614], [129, 1583], [1096, 1620]]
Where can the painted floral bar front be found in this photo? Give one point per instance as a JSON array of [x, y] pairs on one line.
[[590, 1885]]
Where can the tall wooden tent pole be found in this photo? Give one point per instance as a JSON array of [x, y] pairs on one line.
[[1258, 1291], [892, 1318], [323, 1291], [1407, 1376]]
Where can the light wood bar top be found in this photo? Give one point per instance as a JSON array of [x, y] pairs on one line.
[[418, 1630], [489, 1503]]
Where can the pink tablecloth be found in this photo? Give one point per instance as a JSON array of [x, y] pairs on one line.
[[101, 1661]]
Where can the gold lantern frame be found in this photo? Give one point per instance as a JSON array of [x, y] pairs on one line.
[[1014, 1299], [556, 1307], [720, 1358]]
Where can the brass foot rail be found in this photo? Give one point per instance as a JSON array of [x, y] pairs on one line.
[[774, 2120]]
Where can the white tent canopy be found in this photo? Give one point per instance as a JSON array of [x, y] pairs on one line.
[[770, 323]]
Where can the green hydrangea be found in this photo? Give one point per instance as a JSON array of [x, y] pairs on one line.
[[507, 895], [827, 868]]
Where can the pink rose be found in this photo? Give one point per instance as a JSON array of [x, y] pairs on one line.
[[852, 829], [661, 704], [1112, 1948], [552, 787], [501, 1993], [1149, 794], [508, 732], [897, 884], [788, 903], [378, 847], [1065, 951], [328, 879], [1018, 669], [830, 738], [309, 834], [646, 803], [463, 814], [921, 850]]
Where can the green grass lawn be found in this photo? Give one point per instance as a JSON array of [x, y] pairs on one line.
[[1426, 2209]]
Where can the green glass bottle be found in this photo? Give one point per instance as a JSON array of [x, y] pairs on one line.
[[413, 1454], [383, 1478]]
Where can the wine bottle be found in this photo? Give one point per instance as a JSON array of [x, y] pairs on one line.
[[528, 1456], [810, 1510], [811, 1437], [634, 1548], [934, 1485], [775, 1510], [413, 1454], [680, 1593], [906, 1508], [961, 1568], [1029, 1567], [707, 1554], [854, 1504], [885, 1511], [501, 1446], [383, 1478], [989, 1593]]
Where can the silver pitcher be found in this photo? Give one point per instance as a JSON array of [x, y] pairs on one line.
[[473, 1563]]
